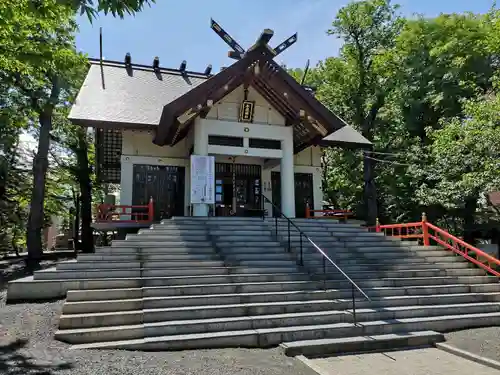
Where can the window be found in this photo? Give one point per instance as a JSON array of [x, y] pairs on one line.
[[271, 144], [225, 141]]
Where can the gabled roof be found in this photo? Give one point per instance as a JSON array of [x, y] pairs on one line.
[[311, 120], [119, 97], [346, 137]]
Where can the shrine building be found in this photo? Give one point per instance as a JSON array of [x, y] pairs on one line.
[[252, 128]]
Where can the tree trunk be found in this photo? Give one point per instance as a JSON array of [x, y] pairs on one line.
[[40, 166], [36, 215], [76, 225], [469, 220], [370, 191], [86, 193]]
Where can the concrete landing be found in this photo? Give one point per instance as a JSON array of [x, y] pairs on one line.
[[429, 361]]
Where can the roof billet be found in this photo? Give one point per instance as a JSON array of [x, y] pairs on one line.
[[149, 68]]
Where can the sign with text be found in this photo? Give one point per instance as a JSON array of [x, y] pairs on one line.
[[202, 179]]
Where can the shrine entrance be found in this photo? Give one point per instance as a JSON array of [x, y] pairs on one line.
[[237, 189], [165, 184], [304, 192]]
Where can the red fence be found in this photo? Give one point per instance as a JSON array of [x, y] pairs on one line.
[[333, 214], [125, 214], [428, 232]]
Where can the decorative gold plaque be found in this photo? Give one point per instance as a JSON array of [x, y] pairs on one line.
[[246, 111]]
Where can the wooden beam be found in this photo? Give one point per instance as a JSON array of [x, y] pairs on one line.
[[316, 140], [312, 105], [297, 104], [192, 98], [281, 107]]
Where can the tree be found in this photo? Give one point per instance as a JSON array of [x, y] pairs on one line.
[[368, 29], [418, 75], [115, 7], [464, 161], [76, 143], [441, 62], [40, 64]]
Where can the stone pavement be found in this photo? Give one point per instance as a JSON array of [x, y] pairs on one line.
[[409, 362]]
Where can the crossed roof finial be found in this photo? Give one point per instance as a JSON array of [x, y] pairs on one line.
[[238, 52]]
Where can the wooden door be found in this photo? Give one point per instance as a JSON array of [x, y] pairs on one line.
[[165, 184], [304, 192]]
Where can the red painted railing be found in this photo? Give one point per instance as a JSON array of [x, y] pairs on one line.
[[112, 212], [428, 232], [333, 214]]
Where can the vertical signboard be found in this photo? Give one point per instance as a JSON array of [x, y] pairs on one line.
[[202, 179]]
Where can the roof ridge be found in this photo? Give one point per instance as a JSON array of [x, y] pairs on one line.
[[120, 64]]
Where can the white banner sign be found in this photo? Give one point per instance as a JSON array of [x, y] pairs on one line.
[[202, 179]]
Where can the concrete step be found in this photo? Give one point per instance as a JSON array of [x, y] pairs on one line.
[[253, 246], [176, 327], [275, 336], [55, 274], [169, 238], [250, 240], [144, 250], [255, 287], [262, 263], [110, 318], [89, 320], [161, 244], [407, 273], [28, 288], [173, 231], [158, 272], [356, 243], [317, 226], [158, 256], [403, 312], [231, 232], [199, 300], [81, 307], [416, 281], [179, 226], [181, 290], [423, 300], [381, 252], [355, 266], [222, 279], [103, 265], [357, 344], [276, 255]]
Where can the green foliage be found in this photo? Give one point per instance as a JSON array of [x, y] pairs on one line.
[[40, 70], [465, 155], [118, 8], [423, 90]]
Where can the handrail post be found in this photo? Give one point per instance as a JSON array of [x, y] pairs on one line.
[[377, 225], [276, 225], [150, 209], [353, 304], [308, 211], [301, 256], [289, 241], [425, 230], [324, 272]]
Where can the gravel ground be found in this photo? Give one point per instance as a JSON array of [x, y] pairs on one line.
[[482, 341], [27, 347]]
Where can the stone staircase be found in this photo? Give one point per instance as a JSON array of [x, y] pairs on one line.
[[231, 282]]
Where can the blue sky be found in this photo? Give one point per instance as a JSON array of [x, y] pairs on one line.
[[177, 30]]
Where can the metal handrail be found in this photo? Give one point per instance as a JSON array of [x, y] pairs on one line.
[[325, 256]]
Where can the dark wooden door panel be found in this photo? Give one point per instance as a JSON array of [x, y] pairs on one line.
[[304, 192], [165, 184]]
